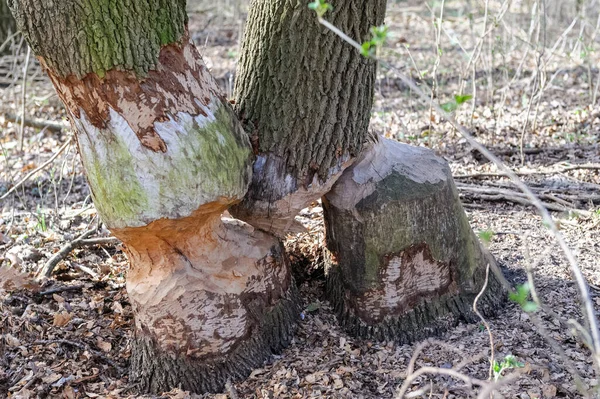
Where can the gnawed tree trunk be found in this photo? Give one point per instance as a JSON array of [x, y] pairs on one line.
[[305, 98], [7, 23], [404, 262], [165, 157]]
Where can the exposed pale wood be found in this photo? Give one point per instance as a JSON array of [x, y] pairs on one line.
[[404, 262], [213, 298]]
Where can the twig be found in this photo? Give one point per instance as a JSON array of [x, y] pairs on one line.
[[37, 123], [585, 166], [23, 98], [36, 170], [483, 320], [496, 194], [64, 288], [80, 241]]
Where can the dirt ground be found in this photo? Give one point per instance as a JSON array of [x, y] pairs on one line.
[[70, 336]]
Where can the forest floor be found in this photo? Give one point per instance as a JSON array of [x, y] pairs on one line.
[[70, 336]]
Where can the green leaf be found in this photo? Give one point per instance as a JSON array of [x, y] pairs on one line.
[[462, 99], [449, 106], [486, 236], [366, 49], [320, 7], [520, 295], [529, 307], [497, 367]]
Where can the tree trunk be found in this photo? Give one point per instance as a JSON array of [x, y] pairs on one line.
[[165, 156], [404, 262], [7, 23], [305, 98]]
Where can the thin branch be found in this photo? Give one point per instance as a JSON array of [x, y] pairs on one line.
[[483, 320], [36, 170], [80, 241], [37, 123]]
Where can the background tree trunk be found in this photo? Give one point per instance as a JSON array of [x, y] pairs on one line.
[[165, 156], [404, 262], [305, 98], [7, 23]]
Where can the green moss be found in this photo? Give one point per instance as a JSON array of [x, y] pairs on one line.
[[213, 156], [102, 35], [117, 193], [208, 161]]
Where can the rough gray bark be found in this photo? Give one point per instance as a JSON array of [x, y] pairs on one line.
[[305, 98], [404, 262]]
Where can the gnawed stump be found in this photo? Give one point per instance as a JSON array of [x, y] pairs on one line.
[[212, 302], [404, 263]]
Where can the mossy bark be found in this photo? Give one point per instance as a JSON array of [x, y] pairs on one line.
[[79, 37], [165, 156], [404, 262], [7, 23], [305, 98]]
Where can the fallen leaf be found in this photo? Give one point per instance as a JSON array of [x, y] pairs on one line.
[[58, 298], [117, 307], [52, 378], [105, 346], [62, 319], [11, 341], [549, 391]]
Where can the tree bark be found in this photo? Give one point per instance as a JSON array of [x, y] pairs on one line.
[[165, 156], [305, 98], [404, 261], [7, 23]]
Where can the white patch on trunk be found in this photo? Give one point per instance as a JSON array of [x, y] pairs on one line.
[[169, 185], [379, 161], [419, 277], [278, 217]]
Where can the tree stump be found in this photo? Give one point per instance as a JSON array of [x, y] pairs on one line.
[[404, 261], [165, 156]]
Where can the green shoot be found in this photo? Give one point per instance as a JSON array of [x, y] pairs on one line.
[[320, 7], [453, 105], [486, 236], [379, 36], [521, 296], [509, 362]]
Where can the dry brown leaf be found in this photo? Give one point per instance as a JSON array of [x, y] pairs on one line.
[[24, 394], [62, 319], [549, 391], [49, 379], [68, 392], [117, 307], [104, 345], [11, 341], [58, 298], [11, 279]]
